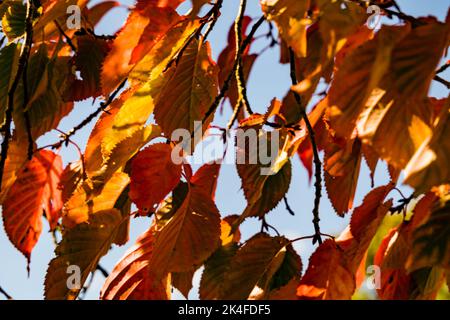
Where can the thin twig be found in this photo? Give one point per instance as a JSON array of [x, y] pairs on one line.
[[288, 207], [25, 52], [214, 17], [68, 40], [442, 81], [103, 271], [65, 138], [311, 237], [210, 16], [443, 67], [226, 84], [7, 296], [317, 162], [240, 80], [265, 226]]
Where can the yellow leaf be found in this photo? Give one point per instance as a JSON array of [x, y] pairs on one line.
[[291, 17], [84, 202]]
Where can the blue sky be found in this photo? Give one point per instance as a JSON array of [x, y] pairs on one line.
[[268, 79]]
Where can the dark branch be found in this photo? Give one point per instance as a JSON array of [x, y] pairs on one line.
[[68, 40], [26, 115], [214, 17], [288, 207], [65, 138], [7, 296], [265, 226], [442, 81], [226, 84], [317, 162], [103, 271], [23, 59], [443, 67]]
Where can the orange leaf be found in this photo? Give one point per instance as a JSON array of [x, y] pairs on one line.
[[189, 237], [34, 192], [145, 26], [342, 166]]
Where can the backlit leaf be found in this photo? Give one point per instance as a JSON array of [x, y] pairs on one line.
[[81, 247], [34, 193]]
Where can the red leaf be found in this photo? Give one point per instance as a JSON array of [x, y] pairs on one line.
[[327, 277], [132, 279], [153, 176], [206, 178]]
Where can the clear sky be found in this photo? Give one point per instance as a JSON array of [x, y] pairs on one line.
[[268, 79]]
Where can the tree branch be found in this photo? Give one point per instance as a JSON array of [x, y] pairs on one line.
[[317, 162], [68, 40], [442, 81], [214, 16], [103, 271], [226, 84], [26, 115], [288, 207], [7, 296], [65, 138], [242, 89], [443, 67], [23, 59]]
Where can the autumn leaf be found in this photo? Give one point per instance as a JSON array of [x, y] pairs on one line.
[[153, 176], [333, 267], [189, 237], [292, 20], [428, 168], [34, 193], [342, 166], [144, 28], [132, 278], [90, 55], [13, 19], [81, 247], [431, 240], [264, 261], [191, 89], [212, 283], [8, 63], [327, 277], [84, 202]]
